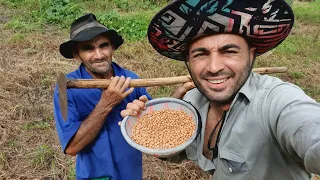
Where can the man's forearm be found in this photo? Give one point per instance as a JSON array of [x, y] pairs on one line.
[[88, 129]]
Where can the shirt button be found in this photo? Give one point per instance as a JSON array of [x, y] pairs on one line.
[[230, 169]]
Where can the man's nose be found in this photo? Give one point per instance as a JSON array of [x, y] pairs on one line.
[[215, 63], [98, 54]]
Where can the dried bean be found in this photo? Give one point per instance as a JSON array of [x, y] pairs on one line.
[[163, 129]]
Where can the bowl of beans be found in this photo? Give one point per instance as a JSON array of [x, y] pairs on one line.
[[166, 127]]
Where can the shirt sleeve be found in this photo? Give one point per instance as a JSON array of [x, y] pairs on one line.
[[66, 128], [294, 121]]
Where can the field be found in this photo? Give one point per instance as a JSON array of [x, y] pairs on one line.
[[30, 34]]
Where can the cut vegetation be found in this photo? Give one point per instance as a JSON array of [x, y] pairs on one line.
[[31, 32]]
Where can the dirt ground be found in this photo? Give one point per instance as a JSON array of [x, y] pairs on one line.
[[29, 65]]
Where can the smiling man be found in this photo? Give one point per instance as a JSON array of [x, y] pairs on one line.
[[254, 126], [91, 130]]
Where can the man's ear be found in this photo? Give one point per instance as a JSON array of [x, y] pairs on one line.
[[252, 52], [75, 55]]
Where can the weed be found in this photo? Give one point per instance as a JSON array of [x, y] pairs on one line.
[[61, 12], [296, 75], [132, 26], [17, 37], [16, 25], [42, 156], [35, 125], [302, 11], [13, 144], [3, 160], [162, 91], [71, 169]]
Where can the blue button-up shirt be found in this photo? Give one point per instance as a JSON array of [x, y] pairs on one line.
[[108, 155]]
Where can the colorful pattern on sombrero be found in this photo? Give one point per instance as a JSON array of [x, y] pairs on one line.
[[265, 22]]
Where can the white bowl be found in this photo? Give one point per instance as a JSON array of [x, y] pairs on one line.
[[161, 104]]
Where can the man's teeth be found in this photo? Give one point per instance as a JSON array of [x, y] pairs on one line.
[[217, 81]]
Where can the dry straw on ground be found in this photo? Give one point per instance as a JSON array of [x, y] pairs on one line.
[[29, 65]]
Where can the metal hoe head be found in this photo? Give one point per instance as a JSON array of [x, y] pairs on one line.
[[63, 101]]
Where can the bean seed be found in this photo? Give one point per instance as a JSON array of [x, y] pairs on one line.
[[163, 129]]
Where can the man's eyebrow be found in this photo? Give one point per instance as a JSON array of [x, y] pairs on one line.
[[228, 46], [104, 43], [86, 46], [199, 49]]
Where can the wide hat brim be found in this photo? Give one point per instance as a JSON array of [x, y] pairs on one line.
[[67, 48], [265, 23]]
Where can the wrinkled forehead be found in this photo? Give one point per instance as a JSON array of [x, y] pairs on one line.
[[96, 41]]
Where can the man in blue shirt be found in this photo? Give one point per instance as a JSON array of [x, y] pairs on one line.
[[91, 130]]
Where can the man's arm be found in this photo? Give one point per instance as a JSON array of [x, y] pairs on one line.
[[294, 120], [91, 126]]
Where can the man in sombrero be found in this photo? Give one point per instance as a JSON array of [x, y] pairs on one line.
[[253, 126]]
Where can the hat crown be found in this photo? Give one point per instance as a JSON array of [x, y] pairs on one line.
[[266, 23], [84, 22]]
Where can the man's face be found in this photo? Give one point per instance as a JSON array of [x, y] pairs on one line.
[[220, 65], [95, 54]]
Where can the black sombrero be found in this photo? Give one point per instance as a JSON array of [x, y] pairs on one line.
[[265, 23]]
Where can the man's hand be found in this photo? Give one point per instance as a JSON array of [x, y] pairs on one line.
[[90, 127], [135, 107], [116, 91], [182, 90]]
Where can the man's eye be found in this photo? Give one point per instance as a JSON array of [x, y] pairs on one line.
[[87, 48], [104, 45], [199, 55], [230, 52]]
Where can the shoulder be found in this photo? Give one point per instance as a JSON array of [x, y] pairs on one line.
[[76, 74], [124, 71], [272, 86], [272, 90], [262, 82]]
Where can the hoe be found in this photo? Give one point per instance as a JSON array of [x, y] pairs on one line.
[[64, 83]]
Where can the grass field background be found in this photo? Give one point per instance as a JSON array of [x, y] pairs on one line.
[[30, 34]]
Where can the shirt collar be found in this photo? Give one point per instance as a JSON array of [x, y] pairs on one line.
[[249, 88]]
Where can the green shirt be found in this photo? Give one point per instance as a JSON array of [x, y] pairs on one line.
[[271, 131]]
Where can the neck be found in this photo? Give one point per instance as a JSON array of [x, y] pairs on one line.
[[219, 108], [106, 75]]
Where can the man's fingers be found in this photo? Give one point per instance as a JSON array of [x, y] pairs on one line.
[[129, 91], [128, 112], [189, 85], [114, 81], [125, 84], [120, 83], [143, 98], [136, 105]]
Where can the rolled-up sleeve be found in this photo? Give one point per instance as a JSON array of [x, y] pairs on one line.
[[293, 118]]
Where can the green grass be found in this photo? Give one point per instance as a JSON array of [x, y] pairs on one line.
[[36, 125], [130, 18], [42, 156], [308, 11], [3, 159], [13, 144]]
